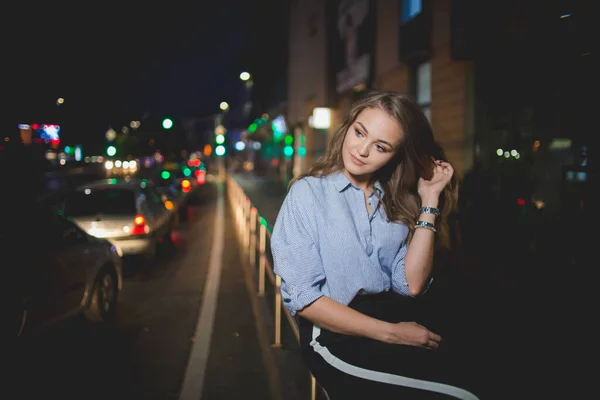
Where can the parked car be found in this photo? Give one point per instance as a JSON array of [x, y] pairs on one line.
[[172, 196], [54, 270], [187, 178], [128, 212]]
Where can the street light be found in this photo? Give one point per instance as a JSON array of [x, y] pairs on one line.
[[246, 78], [110, 134], [224, 106], [111, 151], [167, 123]]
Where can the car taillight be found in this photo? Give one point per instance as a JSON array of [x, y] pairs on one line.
[[201, 176], [139, 225]]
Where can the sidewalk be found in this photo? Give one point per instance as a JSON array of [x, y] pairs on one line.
[[267, 196], [502, 318]]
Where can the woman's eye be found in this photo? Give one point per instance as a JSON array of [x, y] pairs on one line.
[[358, 133], [381, 149]]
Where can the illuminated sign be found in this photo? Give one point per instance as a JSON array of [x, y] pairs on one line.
[[50, 132], [320, 118]]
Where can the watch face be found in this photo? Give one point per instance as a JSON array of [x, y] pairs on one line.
[[430, 210]]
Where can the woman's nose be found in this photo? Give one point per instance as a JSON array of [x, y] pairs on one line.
[[363, 150]]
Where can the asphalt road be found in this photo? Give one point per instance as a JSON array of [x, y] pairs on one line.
[[145, 355]]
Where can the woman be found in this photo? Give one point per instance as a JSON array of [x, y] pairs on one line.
[[354, 244]]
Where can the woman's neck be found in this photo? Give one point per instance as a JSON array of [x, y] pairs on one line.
[[363, 182]]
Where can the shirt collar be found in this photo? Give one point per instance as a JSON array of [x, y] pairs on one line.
[[379, 189], [342, 182]]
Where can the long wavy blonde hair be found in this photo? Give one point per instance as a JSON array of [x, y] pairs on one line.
[[413, 159]]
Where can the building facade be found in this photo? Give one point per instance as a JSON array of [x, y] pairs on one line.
[[509, 88], [338, 49]]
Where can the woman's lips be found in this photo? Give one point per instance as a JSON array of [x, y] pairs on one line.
[[357, 161]]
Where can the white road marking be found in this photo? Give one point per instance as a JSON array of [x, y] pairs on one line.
[[193, 381]]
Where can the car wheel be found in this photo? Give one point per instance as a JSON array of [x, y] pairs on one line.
[[22, 322], [17, 322], [103, 304]]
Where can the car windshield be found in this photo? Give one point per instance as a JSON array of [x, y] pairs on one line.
[[100, 201]]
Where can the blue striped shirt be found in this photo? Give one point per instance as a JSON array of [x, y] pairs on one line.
[[324, 242]]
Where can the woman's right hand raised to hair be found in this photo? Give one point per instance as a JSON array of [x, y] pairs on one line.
[[413, 334]]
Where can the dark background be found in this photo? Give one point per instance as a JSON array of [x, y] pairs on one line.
[[114, 62]]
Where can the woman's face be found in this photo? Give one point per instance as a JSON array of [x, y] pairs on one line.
[[371, 141]]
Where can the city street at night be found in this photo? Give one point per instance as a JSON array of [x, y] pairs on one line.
[[300, 200], [145, 355]]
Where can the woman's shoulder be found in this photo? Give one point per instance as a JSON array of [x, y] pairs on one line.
[[309, 188], [307, 183], [302, 187]]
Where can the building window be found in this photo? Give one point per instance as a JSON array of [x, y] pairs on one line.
[[410, 9], [423, 87]]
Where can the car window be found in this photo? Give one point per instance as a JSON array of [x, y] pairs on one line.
[[70, 232], [33, 221], [153, 199], [51, 230], [113, 201]]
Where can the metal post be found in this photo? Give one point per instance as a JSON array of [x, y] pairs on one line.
[[220, 168], [278, 306], [262, 260], [237, 214], [243, 220], [247, 210], [240, 212], [252, 246]]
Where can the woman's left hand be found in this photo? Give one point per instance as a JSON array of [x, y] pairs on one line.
[[442, 173]]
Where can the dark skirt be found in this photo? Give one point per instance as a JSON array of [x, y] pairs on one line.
[[350, 367]]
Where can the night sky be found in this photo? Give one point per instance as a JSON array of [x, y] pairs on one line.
[[114, 62]]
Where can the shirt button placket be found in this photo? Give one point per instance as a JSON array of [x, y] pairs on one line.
[[369, 247]]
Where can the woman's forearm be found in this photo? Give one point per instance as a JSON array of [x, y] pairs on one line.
[[336, 317], [418, 261]]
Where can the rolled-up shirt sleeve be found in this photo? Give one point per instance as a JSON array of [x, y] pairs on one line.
[[294, 245], [399, 283]]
